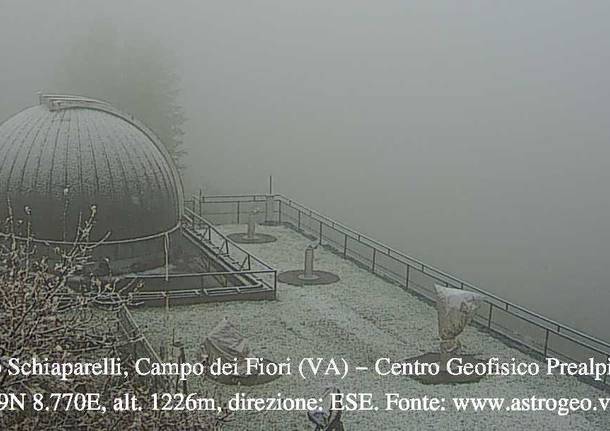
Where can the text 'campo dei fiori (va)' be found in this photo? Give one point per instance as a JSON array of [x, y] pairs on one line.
[[303, 367]]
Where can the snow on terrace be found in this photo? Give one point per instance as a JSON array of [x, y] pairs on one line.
[[361, 318]]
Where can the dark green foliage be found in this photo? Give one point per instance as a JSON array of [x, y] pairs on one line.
[[136, 76]]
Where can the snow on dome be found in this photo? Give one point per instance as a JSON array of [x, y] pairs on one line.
[[68, 153]]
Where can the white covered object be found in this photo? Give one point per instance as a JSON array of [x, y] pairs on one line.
[[225, 342], [455, 309]]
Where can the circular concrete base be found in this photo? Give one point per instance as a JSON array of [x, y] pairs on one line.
[[259, 238], [295, 278], [270, 223], [443, 377]]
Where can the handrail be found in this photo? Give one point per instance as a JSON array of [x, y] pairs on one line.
[[555, 327], [230, 247], [128, 324], [459, 283], [101, 242], [190, 212], [254, 195], [197, 274]]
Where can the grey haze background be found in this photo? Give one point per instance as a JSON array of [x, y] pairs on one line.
[[471, 134]]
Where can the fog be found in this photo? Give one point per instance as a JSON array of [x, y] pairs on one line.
[[473, 135]]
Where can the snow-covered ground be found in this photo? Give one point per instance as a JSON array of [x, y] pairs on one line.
[[361, 318]]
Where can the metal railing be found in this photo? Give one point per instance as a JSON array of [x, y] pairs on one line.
[[246, 266], [219, 284], [528, 329], [246, 273], [141, 347]]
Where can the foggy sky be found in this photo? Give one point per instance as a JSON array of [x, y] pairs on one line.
[[471, 134]]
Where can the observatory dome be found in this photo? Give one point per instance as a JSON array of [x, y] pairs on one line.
[[68, 153]]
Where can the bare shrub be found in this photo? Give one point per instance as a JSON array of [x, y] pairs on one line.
[[42, 317]]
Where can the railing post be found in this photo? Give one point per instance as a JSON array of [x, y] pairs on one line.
[[299, 220], [279, 214], [238, 202], [320, 240], [345, 247], [491, 308], [546, 342], [200, 203], [374, 257], [407, 276]]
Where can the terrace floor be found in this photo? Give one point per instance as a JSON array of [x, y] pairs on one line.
[[360, 318]]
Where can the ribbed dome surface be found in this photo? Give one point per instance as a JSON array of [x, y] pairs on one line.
[[61, 159]]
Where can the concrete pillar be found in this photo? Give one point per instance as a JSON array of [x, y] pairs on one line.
[[308, 270], [251, 233]]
